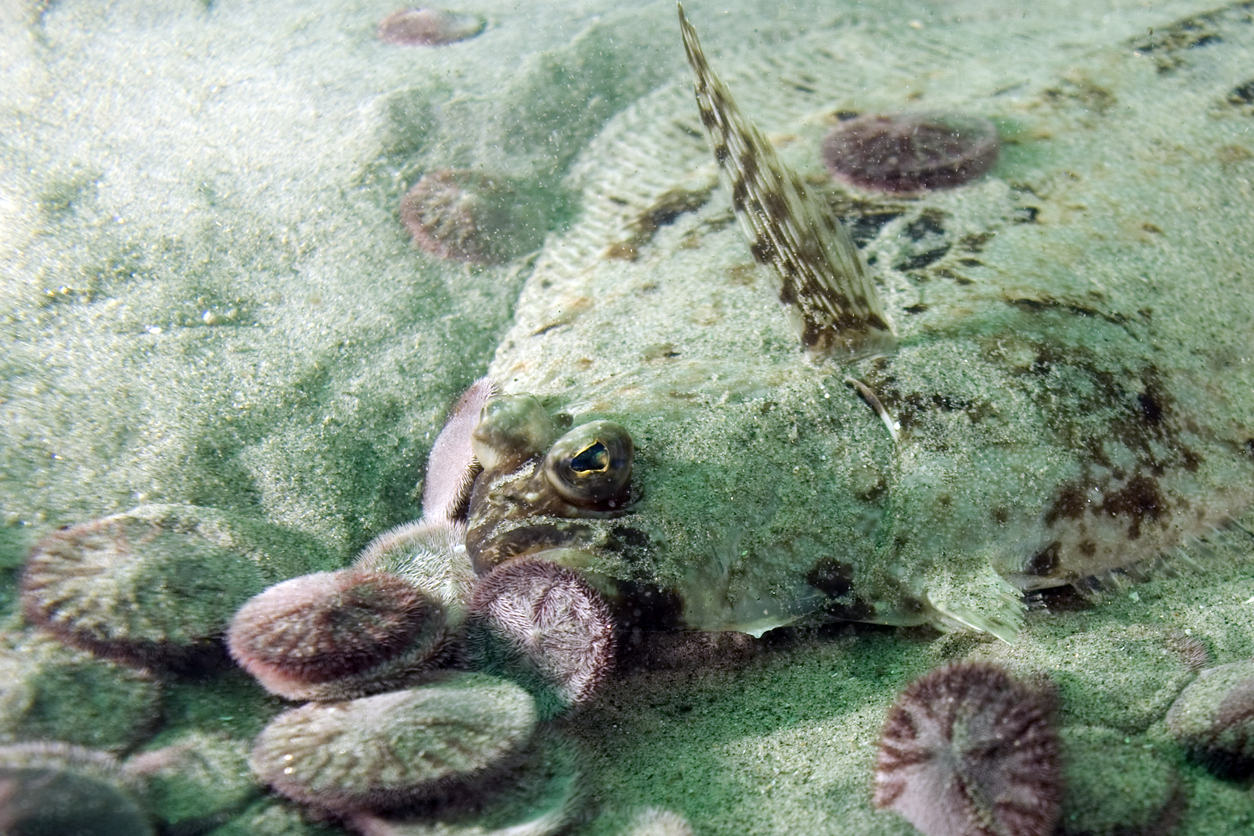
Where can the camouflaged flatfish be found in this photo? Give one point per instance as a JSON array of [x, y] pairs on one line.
[[1048, 377]]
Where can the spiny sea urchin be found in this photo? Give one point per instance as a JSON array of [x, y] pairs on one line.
[[536, 796], [57, 788], [968, 751], [470, 216], [451, 466], [428, 27], [133, 586], [431, 557], [543, 626], [1214, 719], [901, 153], [337, 635], [387, 751]]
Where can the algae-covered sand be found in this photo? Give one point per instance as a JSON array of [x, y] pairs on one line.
[[207, 298]]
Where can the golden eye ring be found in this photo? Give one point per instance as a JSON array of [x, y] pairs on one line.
[[590, 466]]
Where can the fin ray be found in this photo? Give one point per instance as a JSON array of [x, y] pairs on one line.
[[821, 278]]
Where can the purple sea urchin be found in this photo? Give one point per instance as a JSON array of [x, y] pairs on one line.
[[52, 692], [538, 795], [1214, 719], [428, 27], [429, 556], [452, 466], [968, 751], [901, 153], [335, 635], [192, 779], [542, 625], [469, 216], [1139, 793], [133, 587], [50, 788], [386, 751]]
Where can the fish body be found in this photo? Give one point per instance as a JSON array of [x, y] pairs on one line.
[[1066, 392]]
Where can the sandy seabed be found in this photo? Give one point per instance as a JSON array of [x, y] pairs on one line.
[[207, 297]]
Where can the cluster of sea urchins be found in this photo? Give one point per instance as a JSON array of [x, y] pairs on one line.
[[396, 726]]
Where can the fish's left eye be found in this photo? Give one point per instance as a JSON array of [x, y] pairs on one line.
[[591, 464]]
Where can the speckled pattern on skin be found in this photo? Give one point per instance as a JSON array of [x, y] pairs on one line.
[[1069, 400]]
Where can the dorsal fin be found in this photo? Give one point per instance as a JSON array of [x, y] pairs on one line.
[[823, 282]]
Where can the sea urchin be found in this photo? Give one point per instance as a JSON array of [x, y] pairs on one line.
[[968, 751], [903, 153]]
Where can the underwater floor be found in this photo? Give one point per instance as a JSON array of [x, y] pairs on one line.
[[218, 308]]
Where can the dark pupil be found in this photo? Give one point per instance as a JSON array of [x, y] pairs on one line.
[[594, 458]]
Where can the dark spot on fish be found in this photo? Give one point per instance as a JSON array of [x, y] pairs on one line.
[[831, 577], [667, 208], [1070, 504], [1025, 215], [1088, 95], [665, 351], [1242, 94], [976, 243], [687, 129], [915, 309], [1000, 515], [632, 543], [946, 273], [835, 580], [1047, 303], [846, 115], [662, 212], [865, 227], [1087, 548], [929, 222], [764, 253], [970, 262], [1152, 412], [922, 260], [621, 251], [910, 409], [749, 165], [1140, 500], [1045, 562], [740, 194], [1194, 32]]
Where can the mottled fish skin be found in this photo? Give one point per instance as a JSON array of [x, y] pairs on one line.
[[822, 280], [1071, 393]]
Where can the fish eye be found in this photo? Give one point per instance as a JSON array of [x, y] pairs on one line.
[[591, 464], [511, 429]]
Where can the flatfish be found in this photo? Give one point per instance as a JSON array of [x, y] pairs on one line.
[[1066, 395]]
